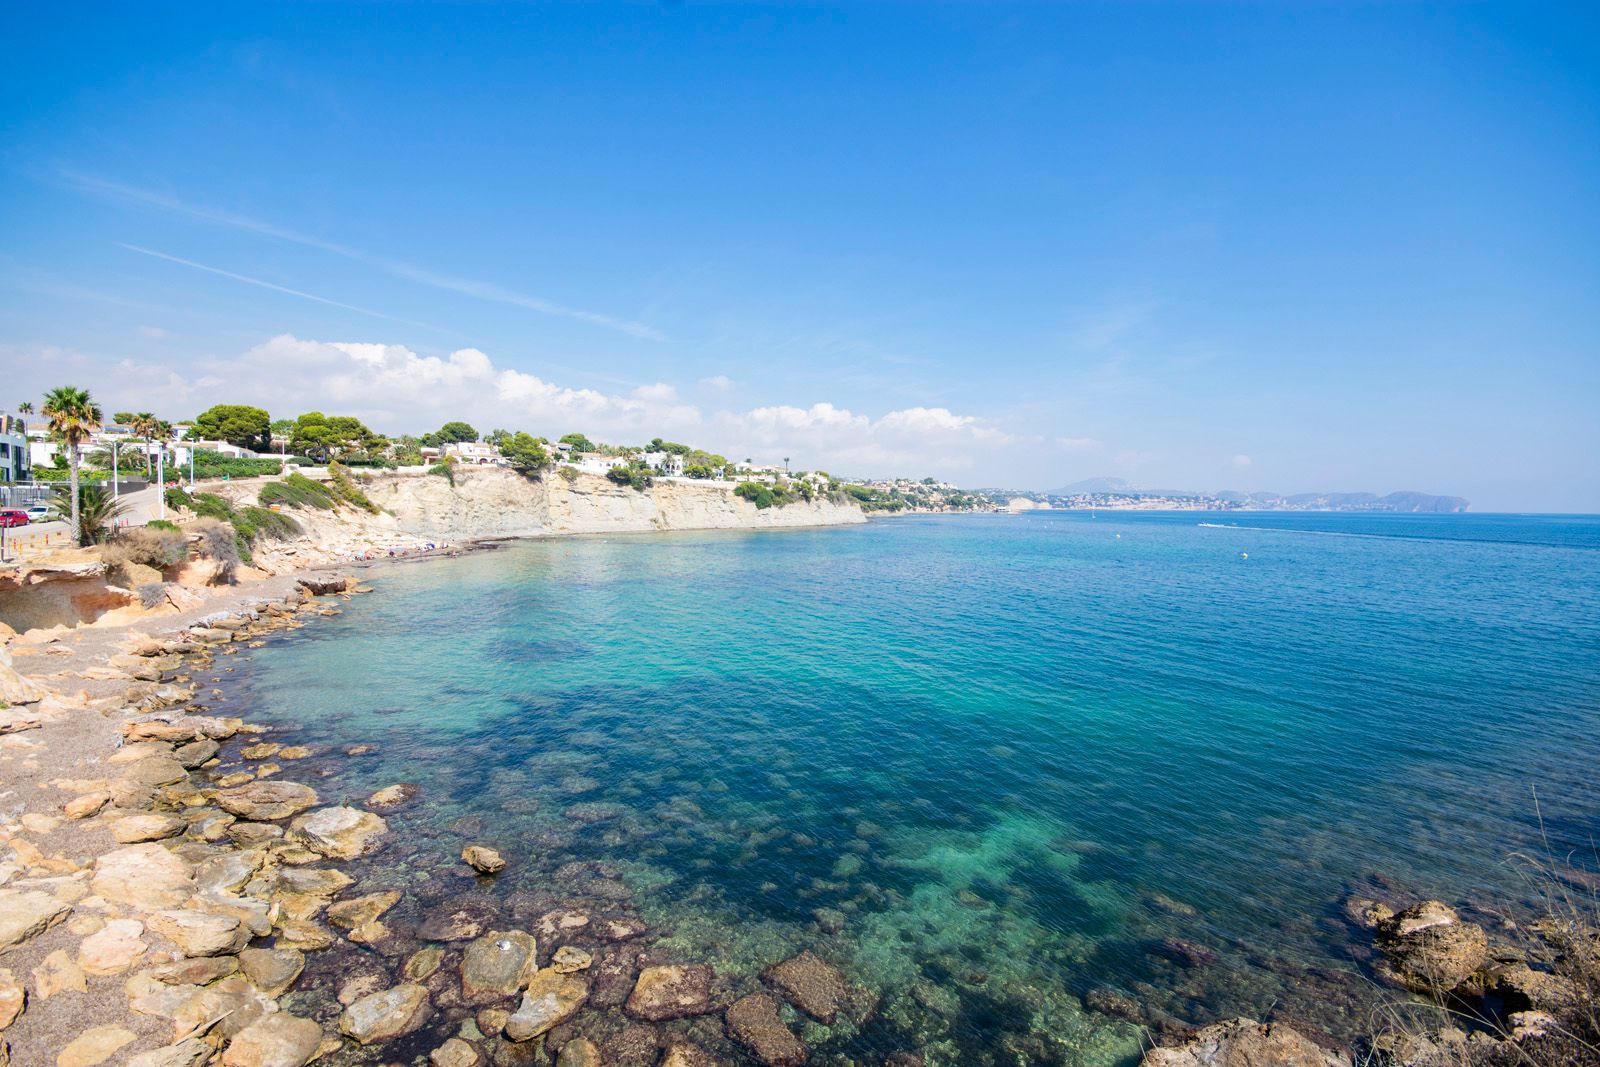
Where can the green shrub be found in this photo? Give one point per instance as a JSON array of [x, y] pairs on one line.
[[636, 473], [160, 524], [568, 473], [445, 469], [297, 491], [209, 464], [261, 524], [345, 488], [759, 495], [210, 506]]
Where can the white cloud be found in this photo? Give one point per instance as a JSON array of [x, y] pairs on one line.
[[1241, 461], [155, 333], [717, 381], [398, 390]]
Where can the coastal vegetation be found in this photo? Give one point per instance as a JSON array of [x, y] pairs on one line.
[[345, 488], [297, 491], [635, 473], [73, 416], [240, 425], [92, 515]]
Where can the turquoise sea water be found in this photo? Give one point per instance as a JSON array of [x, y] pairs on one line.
[[990, 766]]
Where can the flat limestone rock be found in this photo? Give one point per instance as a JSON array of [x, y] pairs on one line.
[[267, 801], [190, 1052], [386, 1015], [13, 997], [132, 829], [670, 991], [57, 973], [272, 970], [201, 933], [146, 876], [754, 1022], [358, 911], [95, 1045], [812, 985], [279, 1040], [339, 832], [26, 913], [113, 948]]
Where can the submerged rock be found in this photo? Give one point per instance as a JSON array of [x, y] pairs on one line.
[[386, 1015], [1246, 1043], [454, 1053], [1429, 949], [811, 984], [632, 1046], [497, 965], [550, 998], [456, 922], [687, 1054], [670, 991], [754, 1021], [579, 1052], [392, 796]]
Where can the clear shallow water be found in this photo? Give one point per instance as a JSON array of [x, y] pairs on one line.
[[987, 765]]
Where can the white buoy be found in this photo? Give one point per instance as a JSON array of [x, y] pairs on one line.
[[1244, 555]]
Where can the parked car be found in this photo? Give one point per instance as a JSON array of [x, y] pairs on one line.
[[39, 512], [13, 517]]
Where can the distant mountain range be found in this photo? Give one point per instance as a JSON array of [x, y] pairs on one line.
[[1404, 501]]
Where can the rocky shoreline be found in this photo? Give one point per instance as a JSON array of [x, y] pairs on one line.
[[167, 878], [182, 887]]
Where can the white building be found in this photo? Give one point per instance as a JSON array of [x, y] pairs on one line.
[[476, 453], [15, 464], [596, 463]]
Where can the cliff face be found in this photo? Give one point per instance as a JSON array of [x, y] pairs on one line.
[[494, 502]]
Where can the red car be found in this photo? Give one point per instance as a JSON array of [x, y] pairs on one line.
[[13, 517]]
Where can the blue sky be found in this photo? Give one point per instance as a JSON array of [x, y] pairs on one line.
[[1249, 246]]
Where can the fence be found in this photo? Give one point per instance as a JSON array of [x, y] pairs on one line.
[[27, 494]]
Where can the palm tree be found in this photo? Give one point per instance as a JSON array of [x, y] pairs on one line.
[[785, 464], [146, 425], [73, 416], [25, 408], [98, 512]]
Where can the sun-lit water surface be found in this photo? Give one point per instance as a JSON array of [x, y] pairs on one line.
[[988, 765]]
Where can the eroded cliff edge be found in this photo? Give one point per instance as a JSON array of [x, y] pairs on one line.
[[495, 502]]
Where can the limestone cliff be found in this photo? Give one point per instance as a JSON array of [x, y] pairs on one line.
[[494, 502]]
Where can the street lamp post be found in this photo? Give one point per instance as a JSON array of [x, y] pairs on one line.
[[161, 478]]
